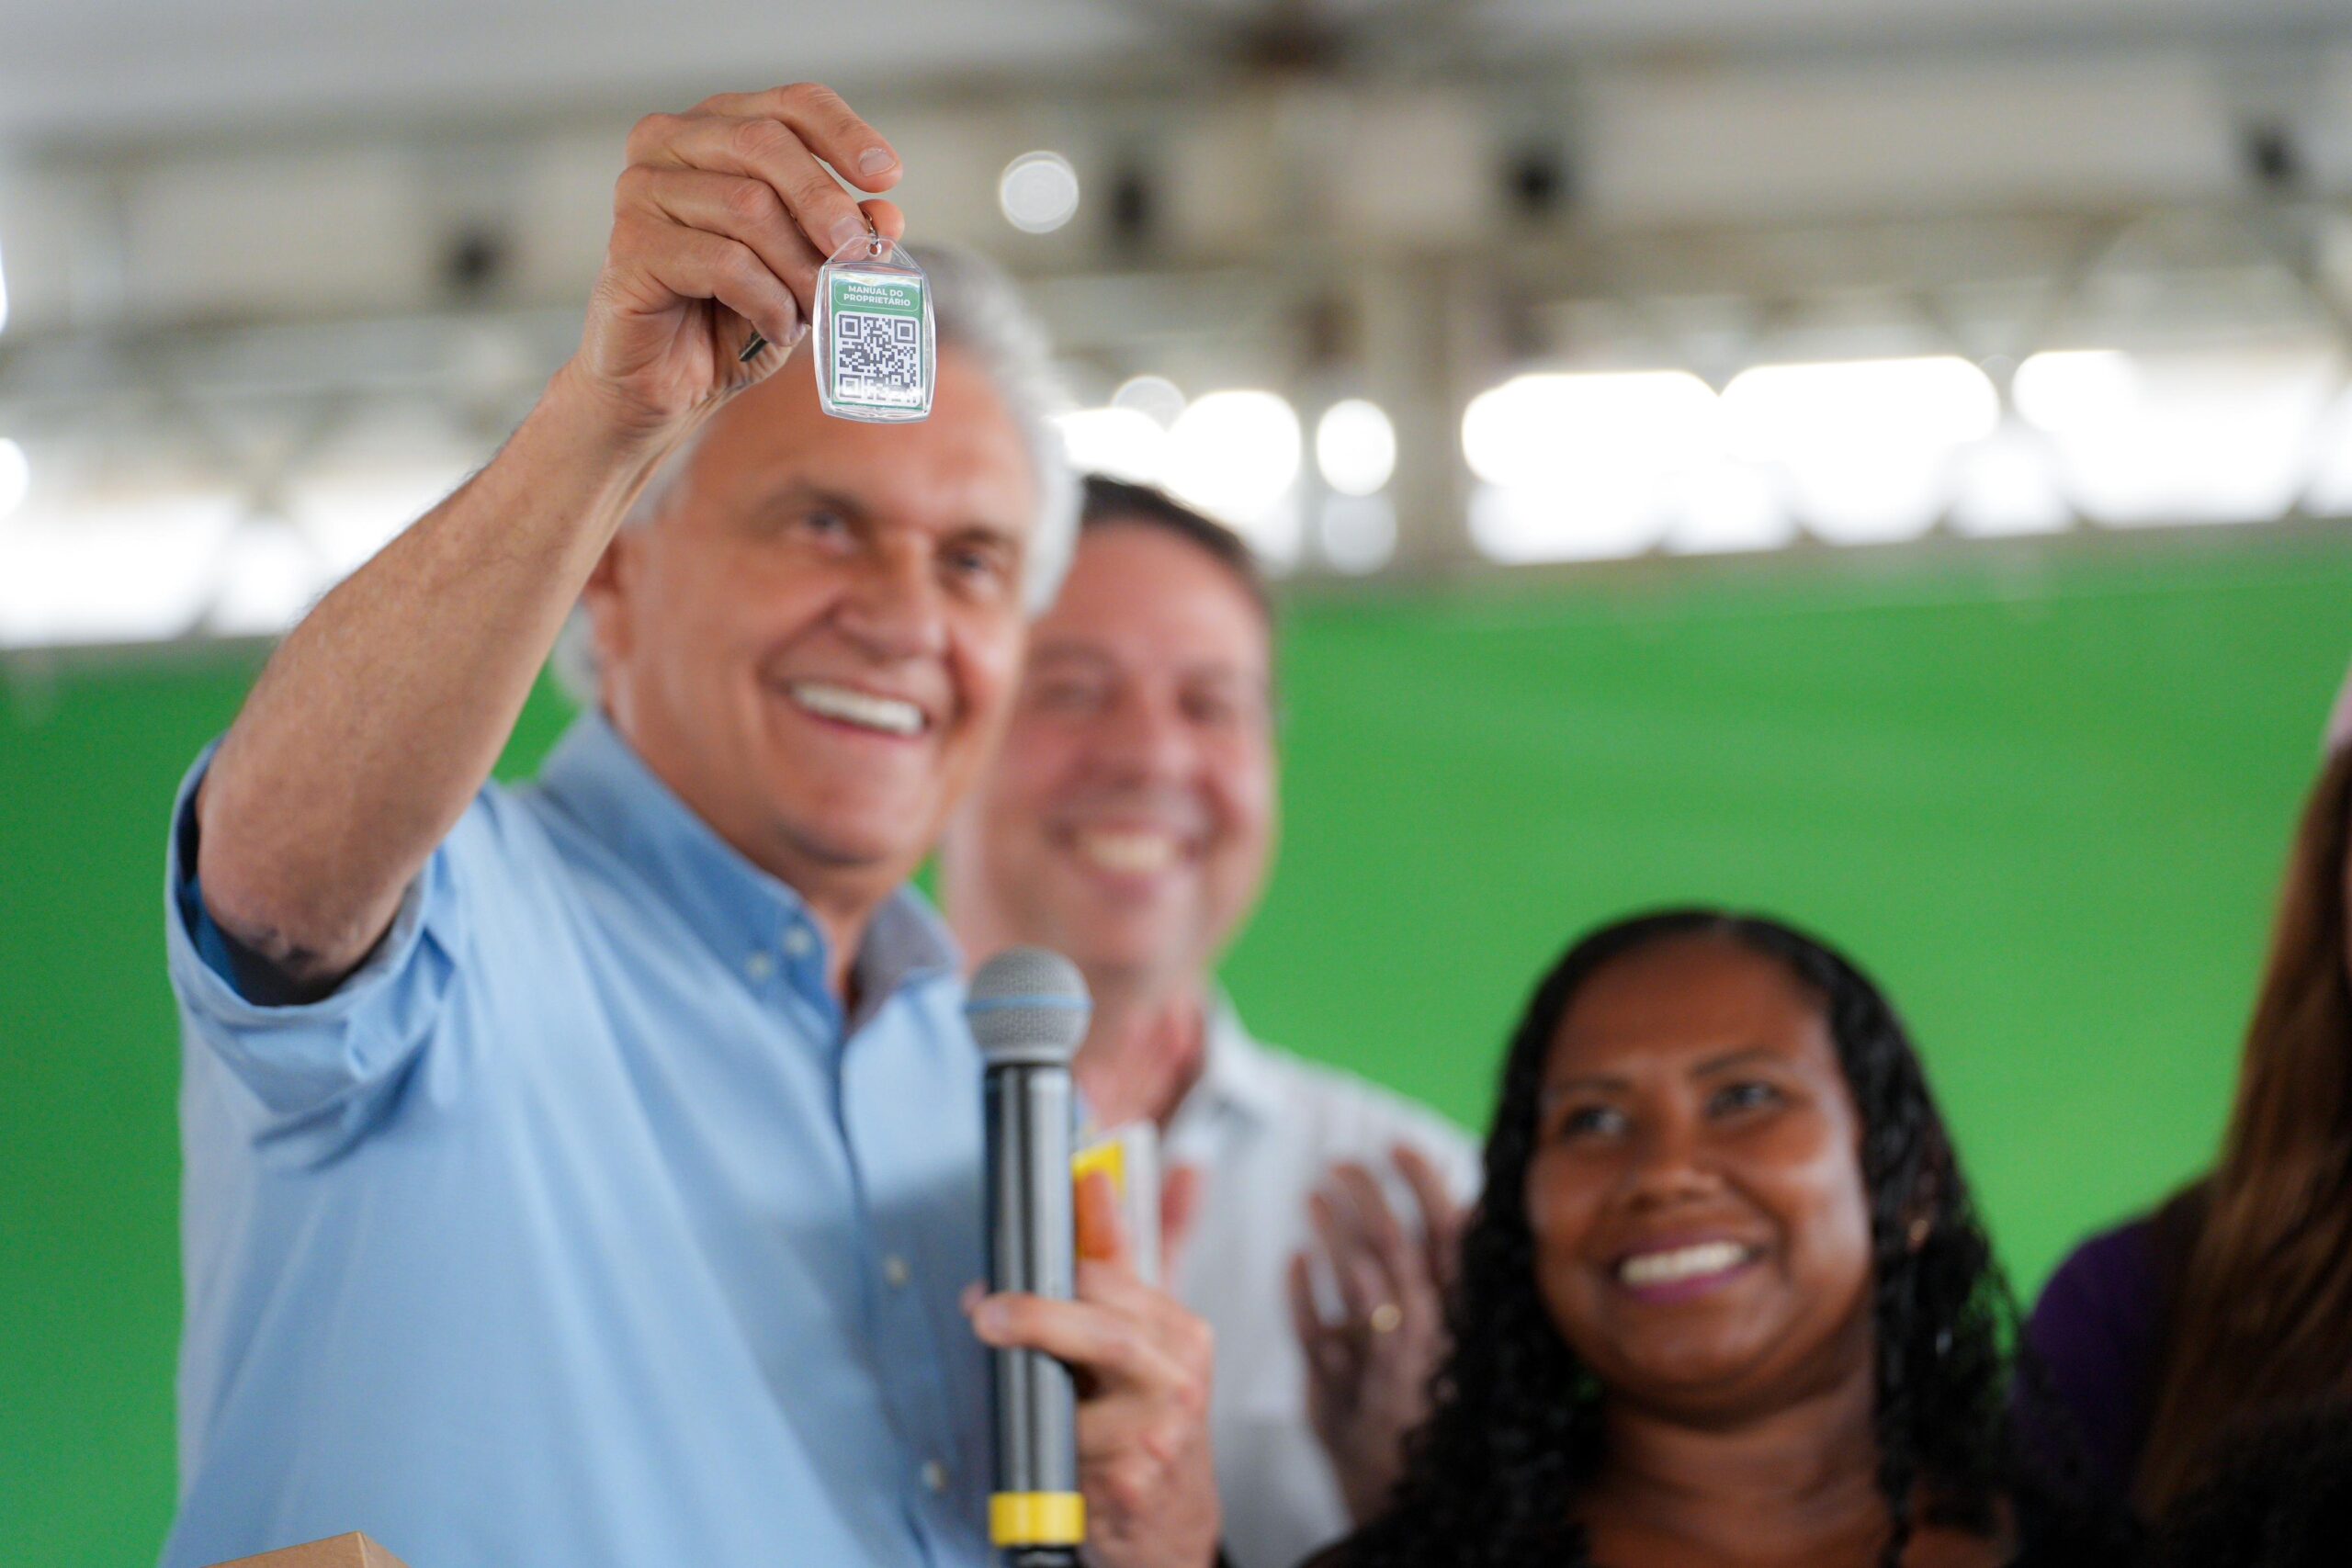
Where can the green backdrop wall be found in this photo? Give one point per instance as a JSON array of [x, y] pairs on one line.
[[2045, 802]]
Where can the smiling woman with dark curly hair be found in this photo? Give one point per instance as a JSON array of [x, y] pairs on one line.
[[1727, 1299]]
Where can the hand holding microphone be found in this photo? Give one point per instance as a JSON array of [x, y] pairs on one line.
[[1135, 1361]]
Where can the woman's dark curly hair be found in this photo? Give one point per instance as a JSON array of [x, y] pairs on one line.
[[1515, 1428]]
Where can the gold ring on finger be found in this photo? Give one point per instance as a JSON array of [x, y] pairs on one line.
[[1386, 1317]]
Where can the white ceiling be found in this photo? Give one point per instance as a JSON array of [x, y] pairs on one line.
[[230, 223], [83, 71]]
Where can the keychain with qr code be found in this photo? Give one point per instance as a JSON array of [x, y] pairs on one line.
[[875, 351]]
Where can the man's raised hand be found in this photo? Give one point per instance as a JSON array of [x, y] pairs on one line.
[[719, 223]]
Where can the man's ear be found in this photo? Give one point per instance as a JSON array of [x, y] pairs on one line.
[[606, 597]]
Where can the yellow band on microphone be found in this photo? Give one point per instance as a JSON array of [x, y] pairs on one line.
[[1036, 1518]]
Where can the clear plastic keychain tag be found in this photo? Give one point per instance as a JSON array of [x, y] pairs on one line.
[[875, 350]]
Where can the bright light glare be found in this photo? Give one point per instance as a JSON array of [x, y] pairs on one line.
[[1158, 396], [1123, 443], [134, 568], [16, 476], [1726, 507], [2007, 486], [2330, 495], [1235, 454], [2072, 391], [1576, 466], [1355, 446], [269, 574], [1038, 192], [1358, 533], [1526, 522], [1868, 444], [1942, 400], [1547, 431], [2204, 436]]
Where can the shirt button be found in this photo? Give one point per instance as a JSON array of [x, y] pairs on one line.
[[895, 1270], [759, 966], [796, 942], [934, 1475]]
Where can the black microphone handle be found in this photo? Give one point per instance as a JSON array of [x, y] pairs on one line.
[[1033, 1243]]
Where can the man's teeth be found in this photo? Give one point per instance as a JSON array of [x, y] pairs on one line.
[[1682, 1263], [1132, 853], [862, 708]]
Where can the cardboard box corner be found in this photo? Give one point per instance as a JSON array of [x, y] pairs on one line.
[[352, 1551]]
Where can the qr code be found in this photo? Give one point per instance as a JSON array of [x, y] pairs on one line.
[[876, 360]]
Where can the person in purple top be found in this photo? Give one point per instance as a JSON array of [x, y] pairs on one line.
[[2170, 1339], [2099, 1330]]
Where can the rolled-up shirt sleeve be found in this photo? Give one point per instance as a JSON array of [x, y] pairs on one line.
[[318, 1071]]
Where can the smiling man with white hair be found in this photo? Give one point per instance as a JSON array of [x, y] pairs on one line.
[[588, 1172]]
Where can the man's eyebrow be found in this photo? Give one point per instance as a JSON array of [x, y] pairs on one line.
[[1064, 650], [1231, 671], [980, 530], [796, 492]]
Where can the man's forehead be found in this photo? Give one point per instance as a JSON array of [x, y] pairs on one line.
[[1107, 646], [967, 463], [865, 494], [1125, 568], [1139, 594]]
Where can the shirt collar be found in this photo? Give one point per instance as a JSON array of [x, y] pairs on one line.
[[738, 909], [1237, 1073]]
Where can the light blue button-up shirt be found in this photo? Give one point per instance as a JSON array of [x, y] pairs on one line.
[[579, 1227]]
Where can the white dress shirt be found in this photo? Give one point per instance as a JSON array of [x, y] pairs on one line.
[[1262, 1127]]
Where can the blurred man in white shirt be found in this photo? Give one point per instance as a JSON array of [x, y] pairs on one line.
[[1127, 821]]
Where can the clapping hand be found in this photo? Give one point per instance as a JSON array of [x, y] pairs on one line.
[[1368, 1371]]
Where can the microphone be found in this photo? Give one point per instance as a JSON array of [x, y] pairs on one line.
[[1028, 1009]]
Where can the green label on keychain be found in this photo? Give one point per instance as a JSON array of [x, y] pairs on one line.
[[873, 337]]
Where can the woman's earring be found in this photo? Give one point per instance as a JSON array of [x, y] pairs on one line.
[[1921, 1229]]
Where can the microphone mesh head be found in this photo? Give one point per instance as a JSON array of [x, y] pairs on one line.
[[1028, 1006]]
